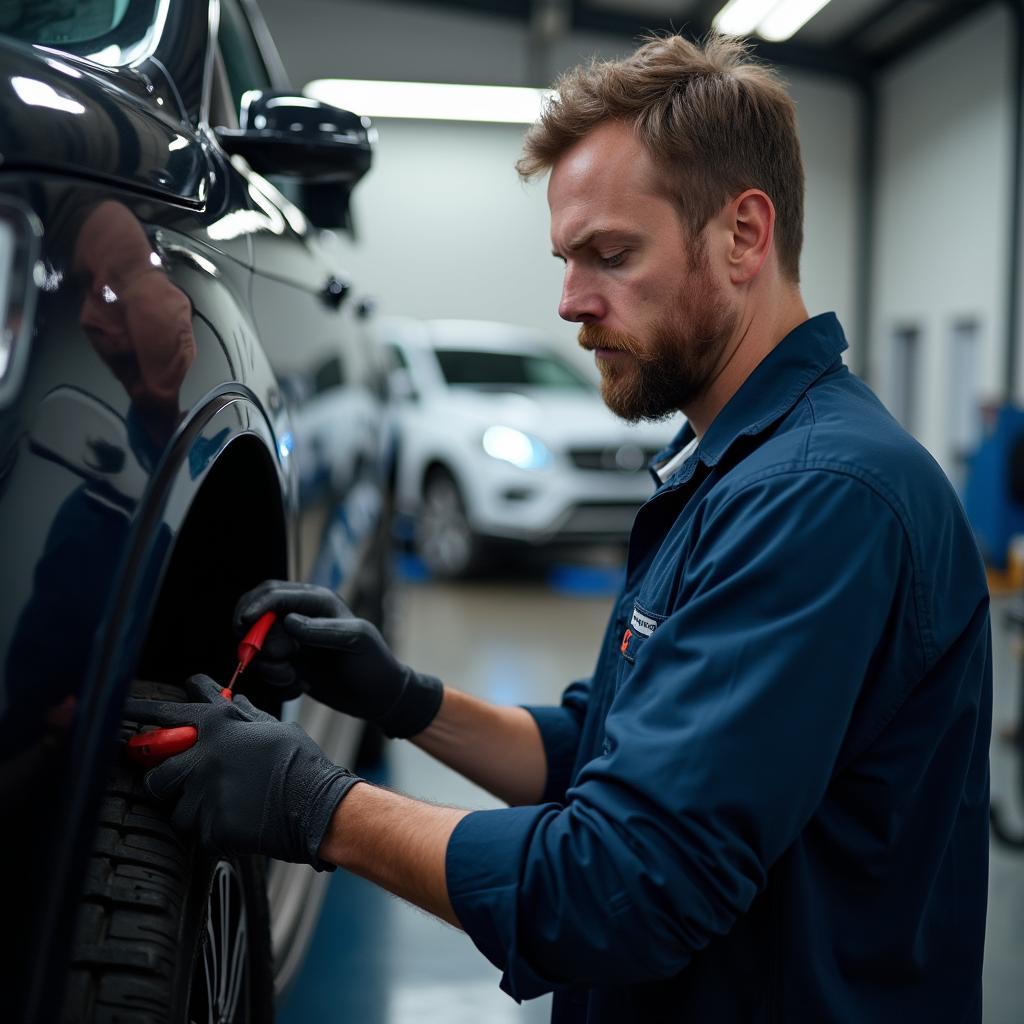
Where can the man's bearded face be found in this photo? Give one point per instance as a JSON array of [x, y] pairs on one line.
[[674, 361]]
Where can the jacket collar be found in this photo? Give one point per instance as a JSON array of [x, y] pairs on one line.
[[776, 384]]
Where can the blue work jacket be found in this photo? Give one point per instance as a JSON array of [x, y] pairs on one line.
[[769, 803]]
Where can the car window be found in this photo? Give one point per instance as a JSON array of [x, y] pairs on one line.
[[329, 375], [242, 63], [496, 369], [242, 59], [396, 357], [108, 31]]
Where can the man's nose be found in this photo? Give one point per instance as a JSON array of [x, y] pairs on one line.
[[581, 302]]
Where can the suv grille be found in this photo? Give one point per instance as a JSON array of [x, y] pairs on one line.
[[619, 458], [601, 519]]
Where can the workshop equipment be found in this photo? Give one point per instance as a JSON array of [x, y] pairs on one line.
[[993, 492], [150, 748]]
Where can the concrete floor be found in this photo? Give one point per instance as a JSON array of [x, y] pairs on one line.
[[376, 960]]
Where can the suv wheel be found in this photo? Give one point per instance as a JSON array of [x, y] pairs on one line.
[[166, 933], [444, 539]]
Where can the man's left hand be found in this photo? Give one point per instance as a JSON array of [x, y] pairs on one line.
[[249, 784]]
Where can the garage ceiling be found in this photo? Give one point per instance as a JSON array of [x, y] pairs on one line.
[[849, 38]]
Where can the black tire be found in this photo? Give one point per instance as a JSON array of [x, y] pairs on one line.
[[445, 541], [162, 923]]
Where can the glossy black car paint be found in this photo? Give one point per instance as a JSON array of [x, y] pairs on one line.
[[214, 372]]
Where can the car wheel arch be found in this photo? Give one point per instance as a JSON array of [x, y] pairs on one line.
[[245, 443], [226, 455], [435, 466], [233, 537]]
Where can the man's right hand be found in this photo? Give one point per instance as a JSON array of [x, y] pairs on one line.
[[337, 658]]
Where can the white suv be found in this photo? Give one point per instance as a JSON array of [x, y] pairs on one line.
[[500, 438]]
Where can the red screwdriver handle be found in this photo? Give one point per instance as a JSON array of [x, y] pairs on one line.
[[150, 748], [253, 639]]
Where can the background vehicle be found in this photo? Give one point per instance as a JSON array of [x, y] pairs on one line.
[[500, 438], [189, 404]]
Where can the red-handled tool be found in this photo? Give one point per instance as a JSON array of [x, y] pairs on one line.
[[250, 646], [150, 748]]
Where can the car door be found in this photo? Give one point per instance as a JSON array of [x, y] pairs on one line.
[[317, 340], [138, 371], [315, 337], [146, 478]]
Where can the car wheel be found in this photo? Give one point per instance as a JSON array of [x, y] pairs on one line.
[[166, 932], [444, 539]]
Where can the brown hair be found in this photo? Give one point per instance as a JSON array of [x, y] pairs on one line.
[[717, 122]]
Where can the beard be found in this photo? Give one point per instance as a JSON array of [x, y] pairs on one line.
[[678, 360]]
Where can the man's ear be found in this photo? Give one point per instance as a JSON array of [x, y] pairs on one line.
[[752, 223]]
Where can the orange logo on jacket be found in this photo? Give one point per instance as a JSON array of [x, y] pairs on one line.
[[625, 640]]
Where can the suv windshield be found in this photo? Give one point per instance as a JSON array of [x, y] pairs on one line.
[[508, 369], [107, 31]]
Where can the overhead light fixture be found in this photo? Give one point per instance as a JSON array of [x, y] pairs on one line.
[[741, 17], [774, 20], [490, 103], [788, 18]]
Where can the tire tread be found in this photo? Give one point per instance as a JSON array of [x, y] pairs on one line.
[[127, 936]]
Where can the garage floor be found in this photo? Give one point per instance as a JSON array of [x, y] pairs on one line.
[[378, 961]]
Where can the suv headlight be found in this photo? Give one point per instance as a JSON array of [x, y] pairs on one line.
[[511, 445]]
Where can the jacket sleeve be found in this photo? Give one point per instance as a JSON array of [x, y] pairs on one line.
[[719, 745], [560, 728]]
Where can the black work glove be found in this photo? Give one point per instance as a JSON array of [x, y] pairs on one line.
[[249, 784], [340, 660]]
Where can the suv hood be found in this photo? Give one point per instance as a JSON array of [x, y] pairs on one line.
[[560, 419]]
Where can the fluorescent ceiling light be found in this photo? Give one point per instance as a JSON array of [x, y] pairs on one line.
[[788, 18], [741, 17], [497, 103], [774, 20]]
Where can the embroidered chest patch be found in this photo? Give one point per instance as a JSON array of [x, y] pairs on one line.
[[642, 624]]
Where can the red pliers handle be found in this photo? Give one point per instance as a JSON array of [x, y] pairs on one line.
[[150, 748]]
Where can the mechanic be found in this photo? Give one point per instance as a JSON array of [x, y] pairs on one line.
[[770, 800]]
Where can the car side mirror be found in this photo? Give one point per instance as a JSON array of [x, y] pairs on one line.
[[299, 137]]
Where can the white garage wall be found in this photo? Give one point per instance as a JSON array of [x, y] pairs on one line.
[[828, 118], [943, 203], [445, 227]]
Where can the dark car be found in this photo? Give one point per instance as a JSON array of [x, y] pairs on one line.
[[189, 404]]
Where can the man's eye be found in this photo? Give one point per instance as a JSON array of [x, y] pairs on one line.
[[614, 260]]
